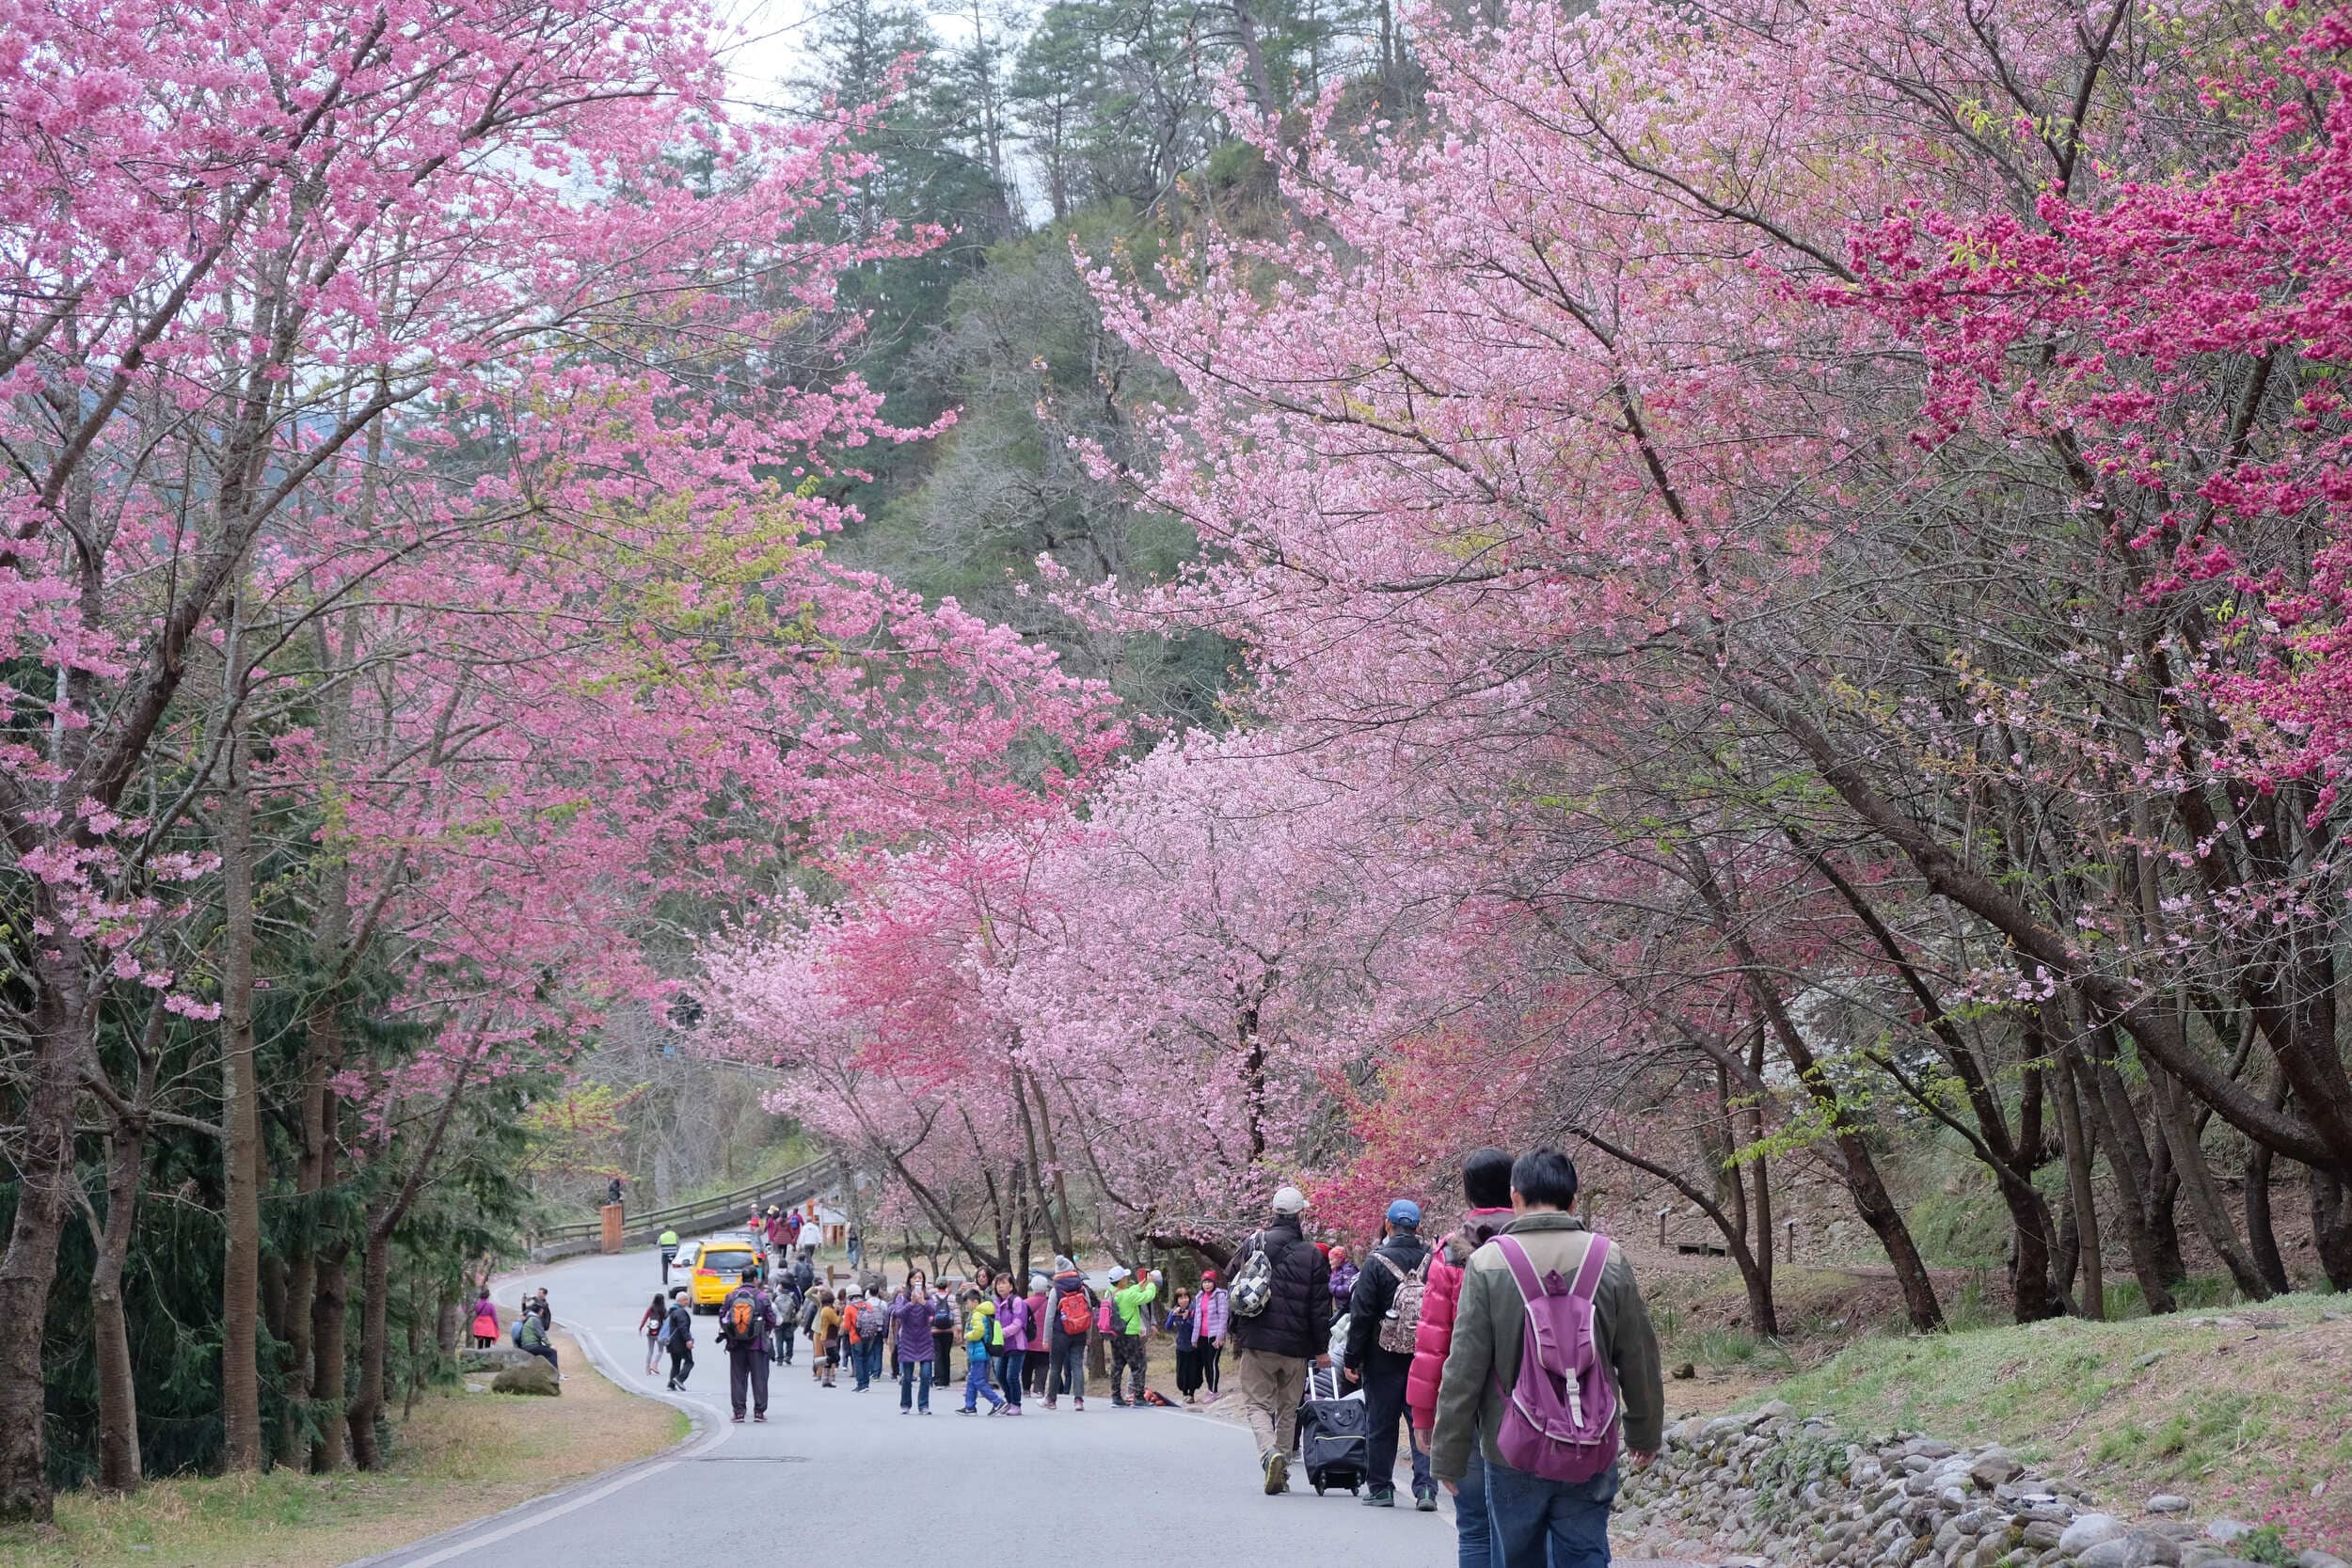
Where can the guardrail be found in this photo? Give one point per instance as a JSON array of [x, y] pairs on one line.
[[792, 1187]]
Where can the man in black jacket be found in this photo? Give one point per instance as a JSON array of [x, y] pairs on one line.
[[1274, 1345], [1401, 1256]]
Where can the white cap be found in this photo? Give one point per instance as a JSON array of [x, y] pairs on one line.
[[1289, 1200], [1117, 1273]]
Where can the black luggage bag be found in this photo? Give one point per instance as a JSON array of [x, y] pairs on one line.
[[1333, 1434]]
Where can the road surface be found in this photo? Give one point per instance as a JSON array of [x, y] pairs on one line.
[[844, 1474]]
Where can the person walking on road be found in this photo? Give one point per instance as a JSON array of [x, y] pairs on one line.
[[650, 1327], [669, 1253], [1534, 1518], [1187, 1328], [1040, 1355], [787, 1300], [1382, 1315], [980, 1332], [1486, 1188], [747, 1321], [1213, 1314], [1130, 1295], [1343, 1276], [944, 1336], [1070, 1315], [486, 1320], [1290, 1327], [678, 1338], [1012, 1326], [911, 1329], [824, 1339]]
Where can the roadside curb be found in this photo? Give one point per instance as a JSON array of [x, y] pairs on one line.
[[708, 1432]]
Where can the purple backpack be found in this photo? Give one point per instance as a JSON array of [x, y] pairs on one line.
[[1560, 1419]]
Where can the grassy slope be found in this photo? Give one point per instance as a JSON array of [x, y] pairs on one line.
[[460, 1457], [2246, 1421]]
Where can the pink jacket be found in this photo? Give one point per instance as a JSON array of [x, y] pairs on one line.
[[1435, 1336]]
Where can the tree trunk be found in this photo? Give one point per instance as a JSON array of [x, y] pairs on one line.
[[2204, 1196], [367, 1402], [329, 1374], [119, 1466], [2082, 1196], [2331, 1228], [28, 1269], [2261, 1236], [240, 1122], [2113, 1125]]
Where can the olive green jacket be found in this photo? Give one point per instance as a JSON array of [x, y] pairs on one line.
[[1490, 1319]]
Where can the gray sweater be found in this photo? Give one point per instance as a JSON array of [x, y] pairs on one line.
[[1488, 1326]]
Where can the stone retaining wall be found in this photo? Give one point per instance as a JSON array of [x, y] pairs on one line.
[[1772, 1489]]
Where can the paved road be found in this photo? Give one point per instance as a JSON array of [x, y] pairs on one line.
[[844, 1472]]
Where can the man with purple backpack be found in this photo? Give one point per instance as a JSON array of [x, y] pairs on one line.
[[1554, 1366]]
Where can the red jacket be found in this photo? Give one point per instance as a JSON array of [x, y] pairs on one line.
[[1435, 1336]]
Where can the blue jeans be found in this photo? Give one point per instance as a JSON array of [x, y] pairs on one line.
[[907, 1389], [874, 1349], [976, 1382], [1548, 1524], [1008, 1368], [1473, 1537], [862, 1364]]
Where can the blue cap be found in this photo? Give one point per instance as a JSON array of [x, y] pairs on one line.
[[1405, 1214]]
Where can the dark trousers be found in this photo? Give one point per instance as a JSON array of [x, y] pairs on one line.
[[681, 1361], [668, 1255], [1127, 1354], [1385, 1373], [748, 1364], [545, 1353], [943, 1356], [783, 1341], [1009, 1367], [1070, 1366], [1036, 1361], [1188, 1371], [1212, 1363]]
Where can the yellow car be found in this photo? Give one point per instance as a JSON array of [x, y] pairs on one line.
[[719, 1267]]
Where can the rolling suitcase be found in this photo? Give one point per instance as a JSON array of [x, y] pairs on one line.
[[1333, 1434]]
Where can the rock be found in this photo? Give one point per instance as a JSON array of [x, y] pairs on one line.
[[2316, 1559], [2041, 1534], [1995, 1468], [1776, 1410], [2088, 1530], [1686, 1372], [1953, 1499], [477, 1387], [493, 1360], [2138, 1549], [2226, 1530], [2168, 1502], [536, 1378], [2141, 1363]]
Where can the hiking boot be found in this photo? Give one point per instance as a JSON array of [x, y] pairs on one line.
[[1278, 1473], [1426, 1498], [1380, 1496]]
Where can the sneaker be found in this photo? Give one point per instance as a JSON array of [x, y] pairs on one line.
[[1079, 1404], [995, 1409], [738, 1421], [1425, 1499], [969, 1410], [1380, 1496], [759, 1416], [1049, 1404], [1118, 1403], [1278, 1473]]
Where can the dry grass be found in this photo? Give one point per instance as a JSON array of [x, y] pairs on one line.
[[460, 1457]]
